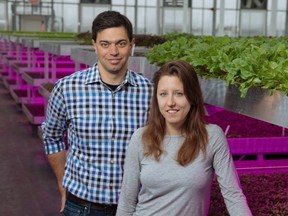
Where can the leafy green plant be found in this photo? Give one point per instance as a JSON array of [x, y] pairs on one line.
[[243, 62]]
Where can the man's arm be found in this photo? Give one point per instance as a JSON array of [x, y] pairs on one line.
[[57, 162]]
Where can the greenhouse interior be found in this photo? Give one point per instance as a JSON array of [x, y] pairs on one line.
[[238, 49]]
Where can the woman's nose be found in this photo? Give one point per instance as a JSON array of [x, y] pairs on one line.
[[171, 101]]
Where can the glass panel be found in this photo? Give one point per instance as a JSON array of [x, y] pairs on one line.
[[253, 23], [70, 1], [207, 22], [120, 9], [203, 4], [96, 1], [2, 10], [150, 3], [146, 20], [93, 10], [125, 2], [281, 23], [86, 21], [197, 22], [282, 4], [202, 21], [147, 2], [130, 2], [130, 13], [173, 19], [231, 4], [230, 23], [117, 2], [70, 11]]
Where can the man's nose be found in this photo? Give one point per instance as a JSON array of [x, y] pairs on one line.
[[113, 49]]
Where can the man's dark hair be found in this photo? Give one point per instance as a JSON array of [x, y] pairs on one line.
[[110, 19]]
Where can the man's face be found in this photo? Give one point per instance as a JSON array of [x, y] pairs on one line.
[[113, 49]]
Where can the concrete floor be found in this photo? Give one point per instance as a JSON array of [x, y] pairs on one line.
[[27, 184]]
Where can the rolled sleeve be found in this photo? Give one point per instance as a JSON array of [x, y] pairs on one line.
[[54, 126]]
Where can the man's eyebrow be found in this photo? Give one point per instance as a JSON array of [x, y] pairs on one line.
[[118, 41]]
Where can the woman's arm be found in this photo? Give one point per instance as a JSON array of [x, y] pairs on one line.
[[131, 179], [227, 176]]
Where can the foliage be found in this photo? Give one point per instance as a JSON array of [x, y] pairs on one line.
[[140, 39], [148, 40], [85, 38], [243, 62], [38, 34], [267, 195], [169, 36]]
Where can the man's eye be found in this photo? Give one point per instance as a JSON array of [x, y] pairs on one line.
[[105, 45], [122, 44]]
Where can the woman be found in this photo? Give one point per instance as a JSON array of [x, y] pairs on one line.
[[171, 162]]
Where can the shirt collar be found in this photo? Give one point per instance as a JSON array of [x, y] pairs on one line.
[[93, 76]]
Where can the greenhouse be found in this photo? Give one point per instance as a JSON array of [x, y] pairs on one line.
[[68, 74]]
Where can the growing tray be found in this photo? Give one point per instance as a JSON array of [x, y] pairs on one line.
[[34, 112]]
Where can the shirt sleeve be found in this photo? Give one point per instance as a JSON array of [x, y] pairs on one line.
[[227, 176], [131, 179], [54, 126]]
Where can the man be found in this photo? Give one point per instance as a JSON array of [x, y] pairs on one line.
[[100, 108]]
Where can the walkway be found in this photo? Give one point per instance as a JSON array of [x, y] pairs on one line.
[[27, 184]]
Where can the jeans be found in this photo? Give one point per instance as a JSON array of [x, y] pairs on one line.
[[72, 209]]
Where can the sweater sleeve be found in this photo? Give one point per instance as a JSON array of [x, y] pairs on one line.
[[227, 176], [131, 179]]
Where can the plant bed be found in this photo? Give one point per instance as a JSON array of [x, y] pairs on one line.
[[20, 94], [45, 89], [34, 112], [48, 86], [266, 195], [256, 146], [241, 126]]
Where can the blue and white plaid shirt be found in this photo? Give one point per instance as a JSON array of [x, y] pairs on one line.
[[100, 123]]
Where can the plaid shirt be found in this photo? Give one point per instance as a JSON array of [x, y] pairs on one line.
[[100, 123]]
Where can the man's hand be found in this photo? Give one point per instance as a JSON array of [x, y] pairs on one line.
[[63, 198], [57, 163]]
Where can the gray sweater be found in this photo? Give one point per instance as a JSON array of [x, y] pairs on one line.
[[165, 188]]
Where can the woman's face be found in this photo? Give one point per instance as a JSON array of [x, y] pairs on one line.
[[172, 103]]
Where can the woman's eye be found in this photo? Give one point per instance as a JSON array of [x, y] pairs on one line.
[[179, 94]]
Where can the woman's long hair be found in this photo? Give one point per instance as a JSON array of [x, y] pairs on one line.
[[194, 127]]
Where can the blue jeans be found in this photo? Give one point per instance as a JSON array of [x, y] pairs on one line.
[[72, 209]]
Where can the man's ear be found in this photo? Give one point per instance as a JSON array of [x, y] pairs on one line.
[[132, 46], [94, 45]]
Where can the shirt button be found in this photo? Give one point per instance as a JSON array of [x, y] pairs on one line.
[[112, 161]]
